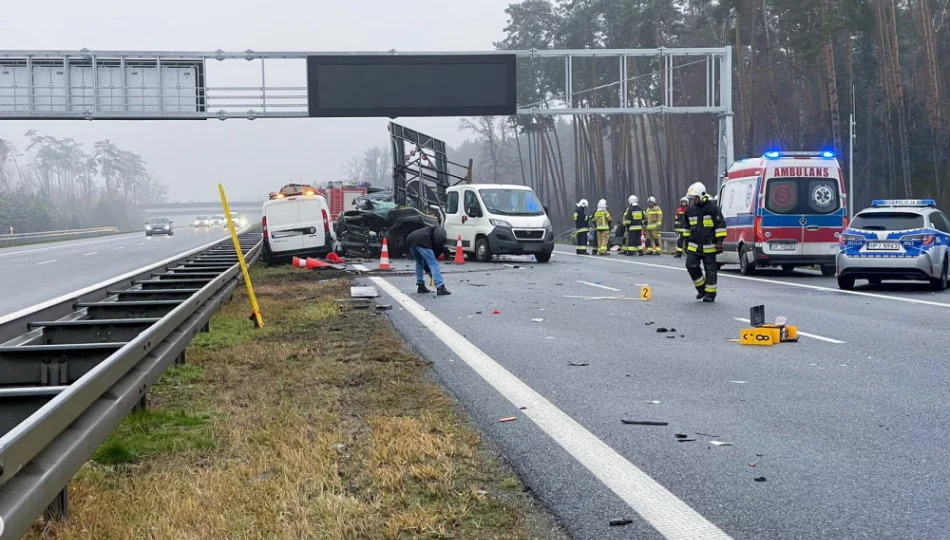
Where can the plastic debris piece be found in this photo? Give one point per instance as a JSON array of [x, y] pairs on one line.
[[537, 320], [654, 402], [384, 307], [649, 323], [721, 443], [781, 320], [478, 312], [620, 522], [363, 292], [751, 464], [522, 408], [662, 330], [685, 440], [681, 436], [578, 365], [670, 337], [759, 479], [706, 434], [759, 455], [496, 312], [738, 382], [643, 423], [508, 419], [672, 329], [733, 340]]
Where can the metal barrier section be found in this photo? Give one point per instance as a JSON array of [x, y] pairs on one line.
[[70, 373], [49, 236]]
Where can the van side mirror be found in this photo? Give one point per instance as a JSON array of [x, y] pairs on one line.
[[546, 210]]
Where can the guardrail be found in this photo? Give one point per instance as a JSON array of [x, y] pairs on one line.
[[48, 236], [71, 369]]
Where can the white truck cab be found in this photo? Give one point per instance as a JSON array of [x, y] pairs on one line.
[[497, 219]]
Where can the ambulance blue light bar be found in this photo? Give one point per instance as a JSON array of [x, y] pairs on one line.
[[882, 203], [775, 154]]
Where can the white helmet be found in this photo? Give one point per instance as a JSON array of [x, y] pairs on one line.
[[602, 204], [582, 203], [651, 200], [633, 200], [696, 190], [684, 200]]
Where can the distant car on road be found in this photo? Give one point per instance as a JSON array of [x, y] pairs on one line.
[[895, 240], [202, 221], [159, 225], [218, 221]]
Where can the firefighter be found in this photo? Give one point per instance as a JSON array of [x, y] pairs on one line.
[[654, 223], [705, 233], [679, 225], [582, 224], [633, 220], [602, 223]]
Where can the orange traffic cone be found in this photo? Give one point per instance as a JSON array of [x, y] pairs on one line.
[[384, 257], [459, 254], [298, 262], [335, 259], [315, 263]]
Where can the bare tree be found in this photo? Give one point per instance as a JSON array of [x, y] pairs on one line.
[[354, 170], [378, 164], [494, 133]]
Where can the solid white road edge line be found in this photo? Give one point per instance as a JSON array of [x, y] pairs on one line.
[[669, 515], [775, 282], [806, 334], [598, 285], [41, 306]]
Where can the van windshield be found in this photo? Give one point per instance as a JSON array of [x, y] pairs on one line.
[[802, 195], [511, 202], [887, 221]]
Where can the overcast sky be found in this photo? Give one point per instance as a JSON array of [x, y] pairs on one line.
[[248, 157]]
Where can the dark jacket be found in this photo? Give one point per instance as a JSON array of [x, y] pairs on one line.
[[634, 218], [706, 227], [428, 237], [581, 219]]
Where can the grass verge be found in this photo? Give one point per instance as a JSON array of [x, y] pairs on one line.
[[321, 425]]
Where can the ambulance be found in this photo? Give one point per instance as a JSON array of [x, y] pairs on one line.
[[784, 209]]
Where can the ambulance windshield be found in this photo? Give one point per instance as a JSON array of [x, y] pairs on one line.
[[802, 195]]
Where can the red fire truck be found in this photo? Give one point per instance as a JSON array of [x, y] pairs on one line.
[[340, 196]]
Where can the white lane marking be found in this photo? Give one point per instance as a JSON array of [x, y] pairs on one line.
[[120, 247], [62, 245], [806, 334], [776, 282], [360, 268], [90, 253], [598, 285], [669, 515], [51, 261], [106, 283]]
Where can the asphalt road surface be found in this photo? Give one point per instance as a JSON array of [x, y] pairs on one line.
[[848, 427], [33, 274]]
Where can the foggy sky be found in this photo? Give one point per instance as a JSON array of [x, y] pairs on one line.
[[251, 158]]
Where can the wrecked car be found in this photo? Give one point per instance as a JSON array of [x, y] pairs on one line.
[[360, 232]]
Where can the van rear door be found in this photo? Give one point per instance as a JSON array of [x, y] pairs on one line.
[[812, 204], [312, 222], [782, 226], [283, 225]]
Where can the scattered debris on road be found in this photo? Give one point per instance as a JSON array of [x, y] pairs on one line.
[[739, 382], [620, 522], [662, 330], [496, 312], [654, 402], [706, 434], [721, 443], [759, 479], [384, 307], [508, 419], [643, 423], [685, 440], [537, 320], [681, 436], [585, 364], [364, 292]]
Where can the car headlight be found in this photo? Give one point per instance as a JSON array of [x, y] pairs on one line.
[[547, 224], [500, 223], [148, 227]]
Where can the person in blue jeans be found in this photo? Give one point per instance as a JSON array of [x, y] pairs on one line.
[[426, 244]]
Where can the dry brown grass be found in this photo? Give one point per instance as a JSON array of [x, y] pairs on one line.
[[322, 425]]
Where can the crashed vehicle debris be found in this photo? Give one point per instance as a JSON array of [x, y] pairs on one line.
[[360, 232]]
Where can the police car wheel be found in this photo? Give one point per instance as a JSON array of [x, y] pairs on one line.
[[940, 284], [845, 283]]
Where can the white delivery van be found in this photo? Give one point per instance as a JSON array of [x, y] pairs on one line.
[[497, 219], [296, 223]]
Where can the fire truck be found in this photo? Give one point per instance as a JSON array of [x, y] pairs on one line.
[[341, 196]]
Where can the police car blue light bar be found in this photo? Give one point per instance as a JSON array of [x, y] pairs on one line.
[[775, 154], [881, 203]]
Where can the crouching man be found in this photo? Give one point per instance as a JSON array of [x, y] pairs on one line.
[[426, 244]]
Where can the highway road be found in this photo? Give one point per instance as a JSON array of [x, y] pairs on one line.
[[33, 274], [846, 430]]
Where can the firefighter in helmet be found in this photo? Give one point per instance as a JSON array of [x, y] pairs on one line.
[[602, 223], [679, 225], [633, 220], [582, 226], [654, 223], [706, 231]]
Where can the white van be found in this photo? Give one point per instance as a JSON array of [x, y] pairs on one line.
[[296, 222], [497, 219]]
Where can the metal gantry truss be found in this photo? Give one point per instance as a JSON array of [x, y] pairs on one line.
[[97, 85]]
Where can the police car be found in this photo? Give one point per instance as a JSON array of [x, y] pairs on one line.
[[895, 240]]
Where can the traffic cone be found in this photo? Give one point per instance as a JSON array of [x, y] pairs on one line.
[[459, 254], [298, 262], [384, 257], [335, 259], [315, 263]]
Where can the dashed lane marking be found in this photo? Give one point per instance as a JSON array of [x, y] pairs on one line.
[[598, 285], [665, 512]]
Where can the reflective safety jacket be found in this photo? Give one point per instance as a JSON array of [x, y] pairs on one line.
[[654, 217], [706, 225], [679, 219], [633, 218], [602, 220], [581, 220]]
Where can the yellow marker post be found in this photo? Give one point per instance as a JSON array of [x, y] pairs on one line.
[[255, 308]]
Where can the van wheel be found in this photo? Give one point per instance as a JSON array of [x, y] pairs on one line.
[[746, 268], [940, 283], [482, 250], [788, 268], [543, 257], [845, 283], [828, 270]]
